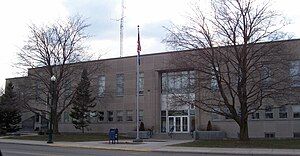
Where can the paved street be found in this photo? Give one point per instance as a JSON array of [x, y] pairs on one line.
[[36, 150], [40, 148]]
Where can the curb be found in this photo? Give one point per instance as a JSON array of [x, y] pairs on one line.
[[103, 148], [78, 146], [23, 143], [204, 151], [235, 153]]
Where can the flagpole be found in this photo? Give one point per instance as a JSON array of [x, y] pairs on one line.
[[137, 87], [137, 97]]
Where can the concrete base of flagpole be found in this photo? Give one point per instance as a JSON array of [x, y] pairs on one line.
[[138, 140]]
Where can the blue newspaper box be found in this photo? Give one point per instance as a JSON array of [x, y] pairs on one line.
[[113, 135]]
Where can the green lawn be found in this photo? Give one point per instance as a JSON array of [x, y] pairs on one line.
[[69, 137], [255, 143]]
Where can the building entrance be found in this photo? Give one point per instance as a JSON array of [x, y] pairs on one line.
[[178, 124]]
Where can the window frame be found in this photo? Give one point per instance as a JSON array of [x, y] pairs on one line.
[[101, 85], [67, 118], [255, 116], [110, 116], [120, 81], [269, 114], [214, 86], [129, 115], [101, 116], [141, 115], [296, 114], [119, 115], [141, 83], [270, 135], [295, 73], [283, 112]]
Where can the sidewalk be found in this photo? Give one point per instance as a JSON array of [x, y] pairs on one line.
[[159, 146]]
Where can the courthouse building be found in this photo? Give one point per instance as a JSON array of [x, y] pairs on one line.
[[114, 86]]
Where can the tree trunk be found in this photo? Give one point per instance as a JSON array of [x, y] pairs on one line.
[[244, 131], [82, 129], [55, 125]]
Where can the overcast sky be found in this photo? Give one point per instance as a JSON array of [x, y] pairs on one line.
[[103, 15]]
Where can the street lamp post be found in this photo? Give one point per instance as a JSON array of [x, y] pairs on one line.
[[50, 137]]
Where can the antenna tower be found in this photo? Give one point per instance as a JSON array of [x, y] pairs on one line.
[[122, 29]]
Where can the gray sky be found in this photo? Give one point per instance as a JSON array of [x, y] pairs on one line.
[[151, 15]]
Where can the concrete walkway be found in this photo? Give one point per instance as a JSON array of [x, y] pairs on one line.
[[158, 146]]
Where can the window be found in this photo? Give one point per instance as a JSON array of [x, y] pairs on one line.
[[141, 84], [43, 116], [119, 116], [192, 112], [296, 111], [66, 117], [184, 80], [100, 116], [215, 116], [67, 88], [266, 76], [269, 112], [255, 116], [129, 114], [110, 116], [295, 73], [177, 82], [227, 113], [120, 85], [282, 112], [37, 118], [192, 79], [192, 98], [270, 135], [93, 117], [141, 115], [296, 134], [214, 82], [101, 84], [164, 81], [37, 88]]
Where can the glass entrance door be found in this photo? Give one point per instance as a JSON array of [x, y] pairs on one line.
[[171, 124], [178, 124]]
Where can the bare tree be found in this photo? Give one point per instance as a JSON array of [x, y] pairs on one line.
[[53, 50], [237, 70]]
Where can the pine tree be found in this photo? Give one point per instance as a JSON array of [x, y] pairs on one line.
[[82, 103], [10, 115]]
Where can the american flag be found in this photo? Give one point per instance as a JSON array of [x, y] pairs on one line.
[[139, 45]]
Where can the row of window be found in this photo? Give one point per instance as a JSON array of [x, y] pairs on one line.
[[269, 113], [266, 75], [282, 112], [272, 135], [38, 89], [101, 86], [108, 116], [177, 82], [119, 85]]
